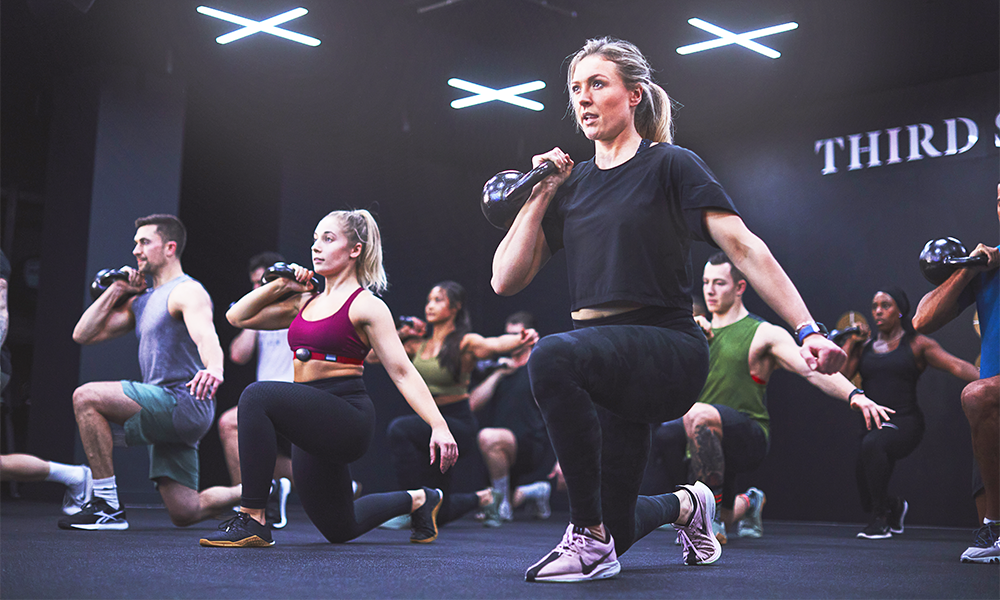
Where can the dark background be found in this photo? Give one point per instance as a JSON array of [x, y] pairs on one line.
[[130, 107]]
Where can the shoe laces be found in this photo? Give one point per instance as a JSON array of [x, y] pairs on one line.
[[237, 521], [572, 542], [987, 535]]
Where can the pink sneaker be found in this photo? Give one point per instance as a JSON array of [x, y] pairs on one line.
[[579, 557], [700, 545]]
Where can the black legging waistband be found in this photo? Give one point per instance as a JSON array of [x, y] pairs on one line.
[[350, 384], [654, 316]]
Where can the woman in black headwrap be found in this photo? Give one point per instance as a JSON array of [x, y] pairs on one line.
[[890, 363]]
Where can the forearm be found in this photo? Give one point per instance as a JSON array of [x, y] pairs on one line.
[[415, 392], [241, 313], [210, 352], [480, 396], [940, 305], [769, 280], [95, 319], [242, 347], [521, 253], [495, 346], [836, 385]]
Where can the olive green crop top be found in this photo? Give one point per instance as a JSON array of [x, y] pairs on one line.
[[438, 379]]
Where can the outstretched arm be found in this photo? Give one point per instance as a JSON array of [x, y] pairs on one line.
[[751, 256], [508, 343], [373, 316], [786, 353], [939, 358]]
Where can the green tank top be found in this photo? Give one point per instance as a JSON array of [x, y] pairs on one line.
[[729, 381], [438, 379]]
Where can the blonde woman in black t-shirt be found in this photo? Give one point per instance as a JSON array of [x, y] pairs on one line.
[[626, 219]]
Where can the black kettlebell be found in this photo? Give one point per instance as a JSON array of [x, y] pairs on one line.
[[104, 279], [941, 257], [280, 269], [507, 191]]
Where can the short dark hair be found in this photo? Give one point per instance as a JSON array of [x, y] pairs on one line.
[[169, 228], [521, 317], [263, 260], [720, 258]]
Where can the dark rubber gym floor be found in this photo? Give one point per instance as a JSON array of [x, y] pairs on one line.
[[153, 559]]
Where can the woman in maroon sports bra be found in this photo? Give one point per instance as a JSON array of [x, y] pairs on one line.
[[326, 413]]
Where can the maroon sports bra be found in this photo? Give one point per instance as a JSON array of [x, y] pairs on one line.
[[332, 338]]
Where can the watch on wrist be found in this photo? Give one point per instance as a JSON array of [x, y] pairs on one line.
[[808, 329]]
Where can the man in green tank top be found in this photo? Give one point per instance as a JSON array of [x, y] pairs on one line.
[[726, 432]]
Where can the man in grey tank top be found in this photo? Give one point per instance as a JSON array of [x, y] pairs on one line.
[[173, 407]]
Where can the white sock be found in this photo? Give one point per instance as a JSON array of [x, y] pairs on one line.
[[990, 521], [65, 474], [107, 489], [533, 491], [501, 484]]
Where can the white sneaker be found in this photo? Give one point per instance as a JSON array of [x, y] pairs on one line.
[[700, 545], [986, 547], [579, 557], [78, 494]]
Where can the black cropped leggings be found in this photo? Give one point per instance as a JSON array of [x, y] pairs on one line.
[[330, 424], [599, 389], [409, 440], [880, 449]]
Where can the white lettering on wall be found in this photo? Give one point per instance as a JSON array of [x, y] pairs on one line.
[[864, 150]]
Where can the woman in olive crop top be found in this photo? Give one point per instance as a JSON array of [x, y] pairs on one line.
[[445, 360], [626, 219], [326, 413], [890, 364]]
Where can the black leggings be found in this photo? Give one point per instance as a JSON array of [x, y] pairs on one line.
[[599, 389], [880, 449], [744, 447], [409, 441], [330, 424]]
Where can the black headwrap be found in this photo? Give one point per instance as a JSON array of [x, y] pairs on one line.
[[902, 302]]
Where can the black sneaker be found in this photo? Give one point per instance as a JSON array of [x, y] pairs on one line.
[[878, 529], [275, 512], [423, 521], [896, 515], [96, 515], [242, 531]]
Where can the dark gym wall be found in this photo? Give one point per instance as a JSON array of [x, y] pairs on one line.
[[115, 156]]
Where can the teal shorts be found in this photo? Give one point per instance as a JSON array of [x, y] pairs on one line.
[[153, 426]]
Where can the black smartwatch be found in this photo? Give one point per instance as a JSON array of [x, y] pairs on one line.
[[808, 329]]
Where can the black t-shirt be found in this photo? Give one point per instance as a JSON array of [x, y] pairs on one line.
[[513, 407], [627, 231]]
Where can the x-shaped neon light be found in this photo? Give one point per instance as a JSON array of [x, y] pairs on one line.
[[251, 27], [509, 95], [728, 37]]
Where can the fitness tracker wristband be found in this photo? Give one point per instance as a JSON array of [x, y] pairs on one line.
[[854, 393], [808, 329]]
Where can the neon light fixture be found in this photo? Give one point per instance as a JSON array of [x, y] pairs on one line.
[[726, 38], [251, 27], [510, 95]]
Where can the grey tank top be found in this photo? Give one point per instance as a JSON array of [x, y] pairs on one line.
[[168, 358]]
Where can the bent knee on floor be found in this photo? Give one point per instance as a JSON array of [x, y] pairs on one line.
[[702, 415]]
